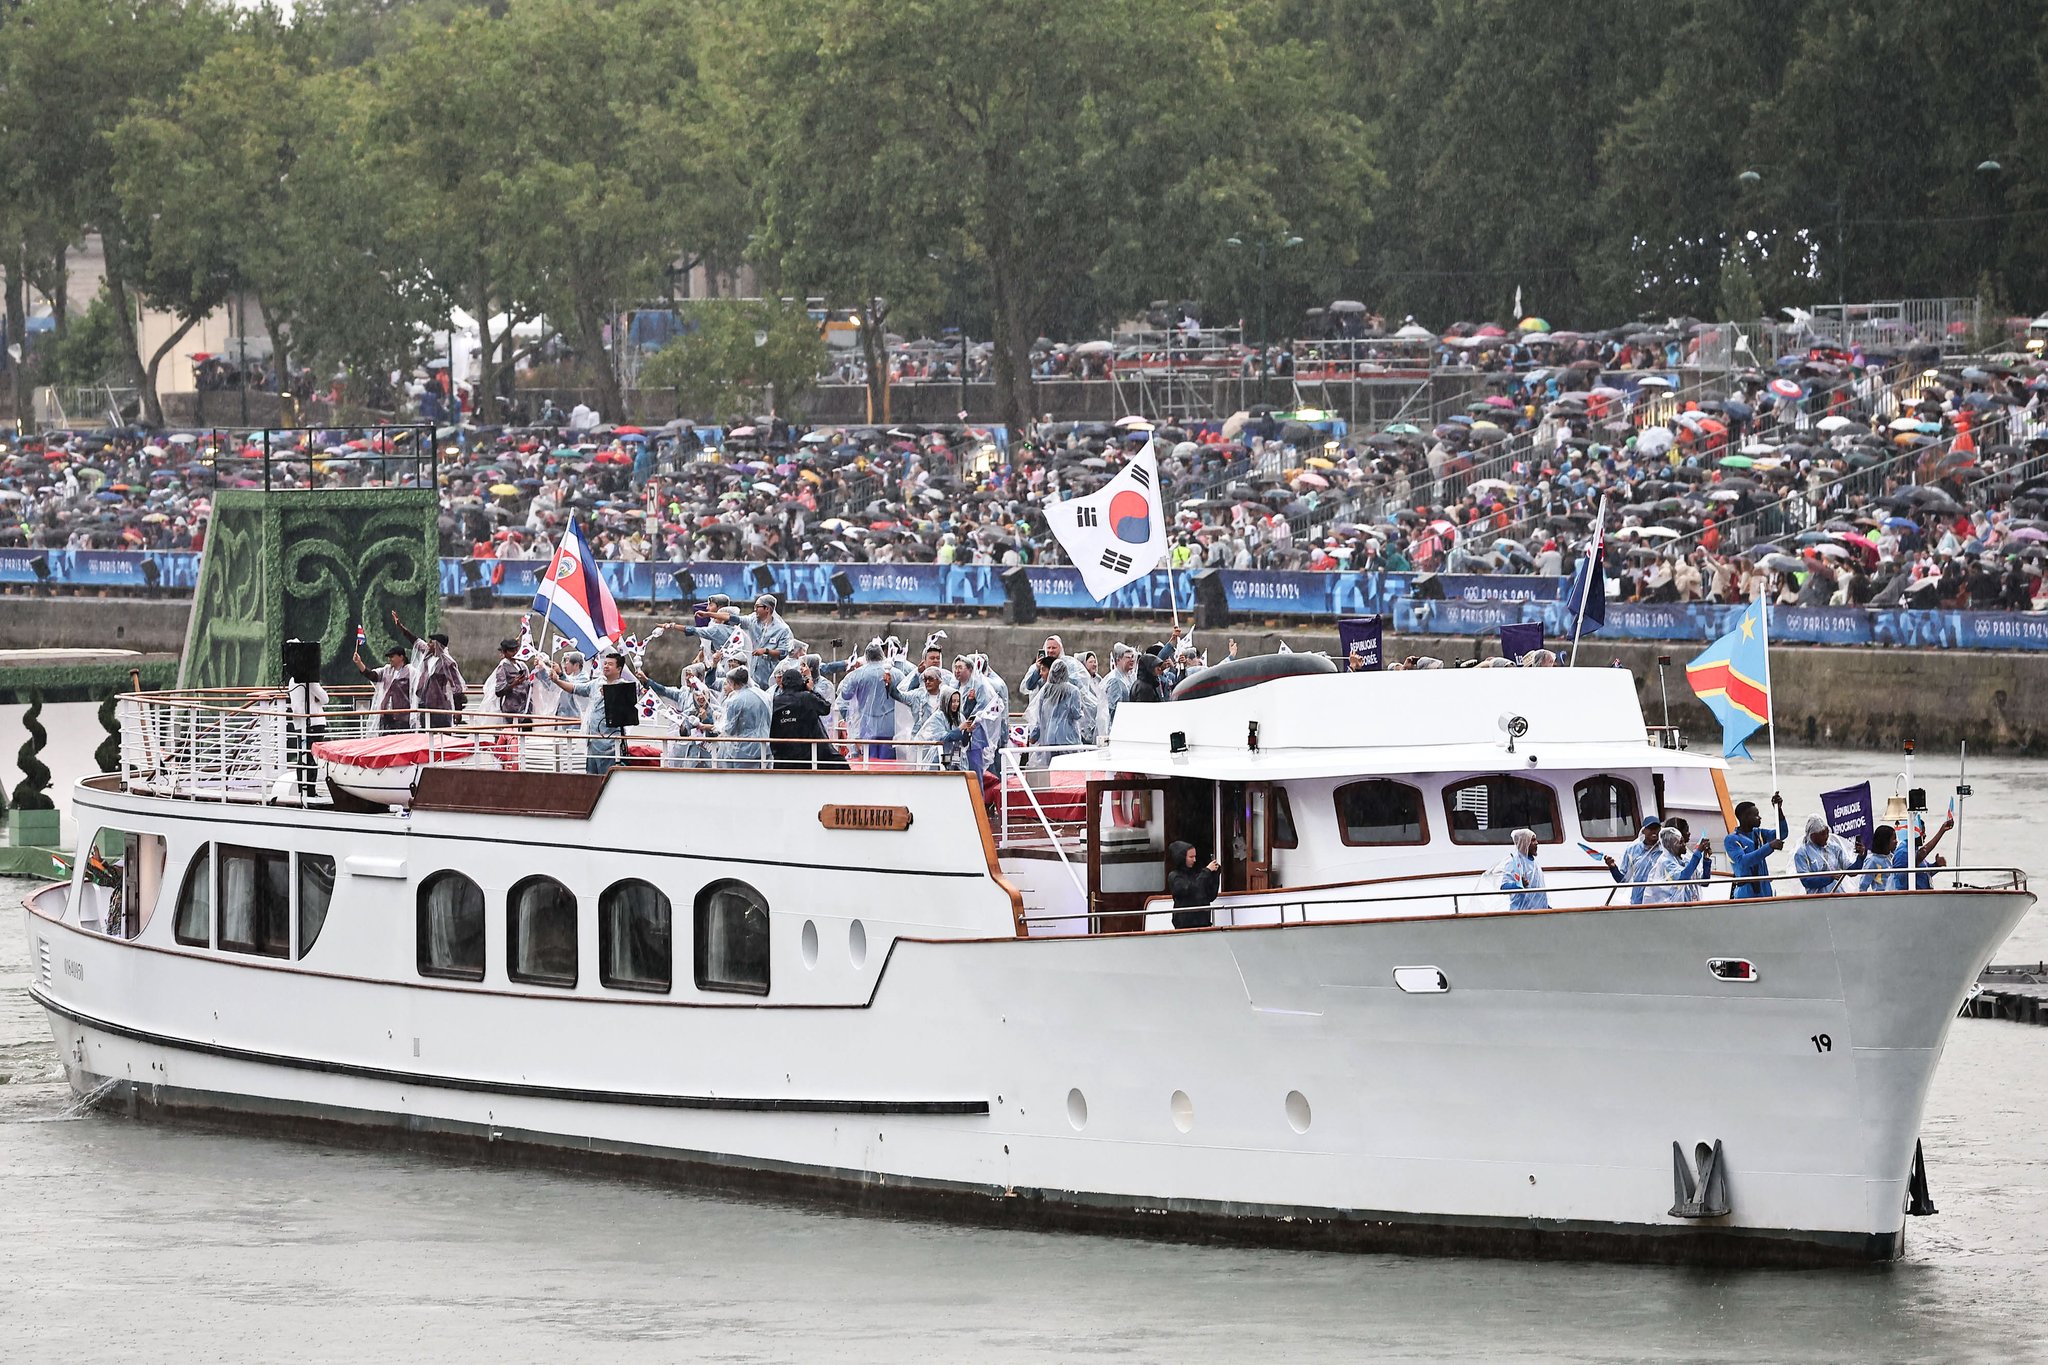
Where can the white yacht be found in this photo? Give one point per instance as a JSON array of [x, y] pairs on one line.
[[878, 988]]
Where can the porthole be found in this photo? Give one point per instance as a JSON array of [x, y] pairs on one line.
[[857, 943], [1077, 1109], [809, 943], [1297, 1111], [1183, 1111]]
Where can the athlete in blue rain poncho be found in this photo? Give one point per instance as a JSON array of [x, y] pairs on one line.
[[1060, 704], [746, 716], [867, 700], [1519, 874], [771, 641]]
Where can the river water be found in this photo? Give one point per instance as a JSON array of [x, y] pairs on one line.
[[124, 1241]]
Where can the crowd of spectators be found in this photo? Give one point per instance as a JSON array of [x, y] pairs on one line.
[[1832, 477]]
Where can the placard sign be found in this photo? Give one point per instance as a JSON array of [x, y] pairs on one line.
[[1848, 812]]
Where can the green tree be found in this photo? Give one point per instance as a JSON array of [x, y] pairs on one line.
[[608, 185], [1073, 148], [90, 350], [739, 357], [70, 71], [251, 167], [33, 791], [107, 757]]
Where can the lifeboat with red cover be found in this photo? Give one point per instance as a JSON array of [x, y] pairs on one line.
[[385, 768]]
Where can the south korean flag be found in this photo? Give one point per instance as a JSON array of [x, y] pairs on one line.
[[1117, 533]]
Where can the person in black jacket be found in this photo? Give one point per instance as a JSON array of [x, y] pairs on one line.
[[1193, 887], [796, 712], [1146, 688]]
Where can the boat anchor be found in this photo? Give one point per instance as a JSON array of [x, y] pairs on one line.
[[1919, 1203], [1708, 1196]]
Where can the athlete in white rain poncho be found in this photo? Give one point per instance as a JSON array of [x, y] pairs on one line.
[[770, 642], [718, 627], [1669, 871], [1062, 705], [926, 697], [984, 704]]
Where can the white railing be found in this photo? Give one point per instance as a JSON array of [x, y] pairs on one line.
[[1284, 906], [246, 745]]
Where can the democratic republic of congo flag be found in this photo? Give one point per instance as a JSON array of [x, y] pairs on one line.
[[1733, 677]]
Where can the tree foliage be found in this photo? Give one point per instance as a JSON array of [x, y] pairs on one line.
[[738, 358], [358, 168]]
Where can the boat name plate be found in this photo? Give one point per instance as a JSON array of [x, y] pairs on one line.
[[895, 818]]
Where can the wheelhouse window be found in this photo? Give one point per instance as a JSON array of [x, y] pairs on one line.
[[255, 897], [451, 927], [1607, 807], [540, 933], [193, 924], [316, 889], [633, 937], [1379, 813], [124, 877], [1283, 821], [1488, 810], [732, 939]]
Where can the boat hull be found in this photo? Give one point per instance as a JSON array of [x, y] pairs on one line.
[[1267, 1084]]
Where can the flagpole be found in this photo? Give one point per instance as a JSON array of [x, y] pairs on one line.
[[1586, 579], [1763, 612]]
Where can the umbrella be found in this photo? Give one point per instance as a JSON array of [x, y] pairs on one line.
[[1736, 462], [1653, 381], [1534, 325], [504, 490], [1784, 563], [1786, 388]]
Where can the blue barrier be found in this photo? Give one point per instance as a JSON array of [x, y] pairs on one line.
[[177, 569], [1472, 604]]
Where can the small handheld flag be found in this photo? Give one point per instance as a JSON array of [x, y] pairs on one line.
[[1592, 852], [362, 638]]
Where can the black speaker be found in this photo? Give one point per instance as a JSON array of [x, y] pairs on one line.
[[764, 579], [686, 583], [301, 661], [621, 704], [152, 576], [842, 588], [1212, 604], [1428, 588], [1020, 604], [40, 566]]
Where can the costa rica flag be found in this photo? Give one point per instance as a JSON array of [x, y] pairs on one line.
[[573, 595], [1733, 677]]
